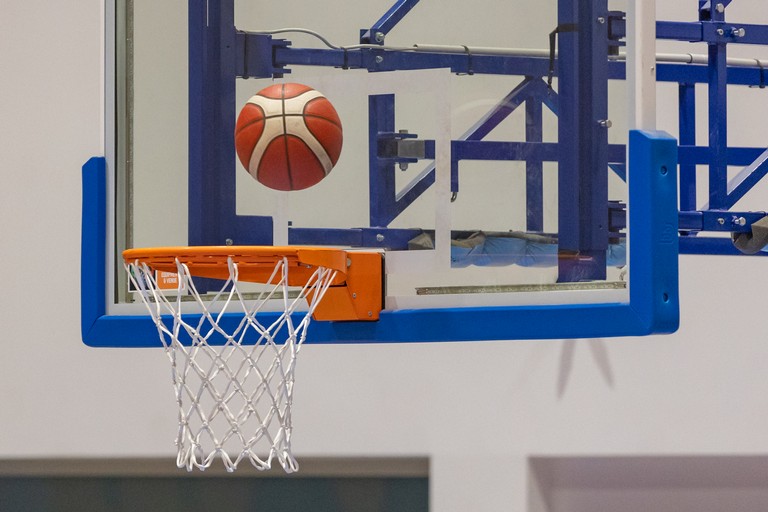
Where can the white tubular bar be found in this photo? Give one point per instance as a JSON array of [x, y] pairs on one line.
[[673, 58], [691, 58], [479, 50], [641, 12]]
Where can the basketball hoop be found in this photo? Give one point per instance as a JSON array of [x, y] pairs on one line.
[[232, 361]]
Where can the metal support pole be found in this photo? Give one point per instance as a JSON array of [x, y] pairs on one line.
[[381, 182], [718, 126], [534, 167], [687, 127], [583, 140], [211, 112], [213, 63]]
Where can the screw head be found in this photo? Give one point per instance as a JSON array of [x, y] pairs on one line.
[[378, 37], [379, 237], [720, 221], [379, 59], [601, 20], [720, 8], [605, 123], [229, 241], [720, 32]]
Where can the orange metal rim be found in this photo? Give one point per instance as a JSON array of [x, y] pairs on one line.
[[244, 254], [355, 293]]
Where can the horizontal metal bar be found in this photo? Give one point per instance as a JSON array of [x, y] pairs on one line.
[[718, 221], [701, 155], [384, 238], [679, 30], [697, 74], [497, 150], [700, 58], [728, 32], [703, 31]]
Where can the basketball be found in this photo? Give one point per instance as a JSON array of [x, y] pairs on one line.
[[288, 136]]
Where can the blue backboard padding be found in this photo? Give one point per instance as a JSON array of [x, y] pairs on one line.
[[653, 270], [653, 305], [93, 256]]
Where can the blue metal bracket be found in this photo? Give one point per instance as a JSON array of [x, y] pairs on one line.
[[404, 148], [718, 220], [258, 55], [707, 12], [386, 201]]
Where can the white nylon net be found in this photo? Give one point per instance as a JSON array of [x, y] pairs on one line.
[[233, 375]]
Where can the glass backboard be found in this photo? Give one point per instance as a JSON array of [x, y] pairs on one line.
[[488, 158]]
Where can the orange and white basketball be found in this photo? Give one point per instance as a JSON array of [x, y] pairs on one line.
[[288, 136]]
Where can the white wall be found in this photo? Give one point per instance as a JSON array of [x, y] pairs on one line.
[[479, 410]]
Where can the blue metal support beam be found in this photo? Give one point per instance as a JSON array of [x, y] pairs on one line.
[[718, 221], [213, 67], [534, 167], [711, 31], [718, 125], [209, 90], [381, 177], [700, 155], [521, 151], [687, 129], [582, 140]]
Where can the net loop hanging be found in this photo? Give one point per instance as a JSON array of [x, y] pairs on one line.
[[233, 374]]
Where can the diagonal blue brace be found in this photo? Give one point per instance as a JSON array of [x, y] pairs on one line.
[[746, 179], [530, 90], [377, 32]]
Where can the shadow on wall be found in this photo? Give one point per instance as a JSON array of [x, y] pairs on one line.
[[599, 353]]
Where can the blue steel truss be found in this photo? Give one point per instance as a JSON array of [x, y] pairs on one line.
[[583, 153]]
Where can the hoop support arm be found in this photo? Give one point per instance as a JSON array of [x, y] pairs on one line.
[[355, 294], [360, 296]]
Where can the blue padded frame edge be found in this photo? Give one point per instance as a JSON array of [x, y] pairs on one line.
[[93, 251], [653, 305], [97, 328]]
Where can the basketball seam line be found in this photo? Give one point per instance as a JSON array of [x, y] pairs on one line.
[[312, 116], [285, 140]]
